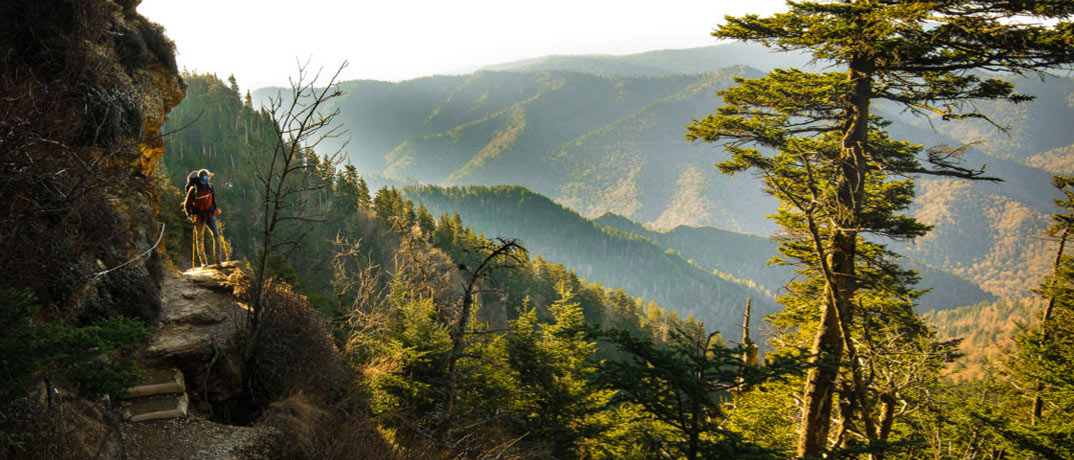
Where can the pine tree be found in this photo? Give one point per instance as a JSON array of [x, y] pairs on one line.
[[363, 192], [1044, 358], [834, 165], [682, 384], [233, 84], [425, 220], [558, 399]]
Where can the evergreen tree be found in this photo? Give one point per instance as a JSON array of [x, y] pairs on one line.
[[233, 84], [425, 220], [1059, 289], [390, 208], [834, 165], [1044, 357], [558, 398], [682, 384], [363, 192]]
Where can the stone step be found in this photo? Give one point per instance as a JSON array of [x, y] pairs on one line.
[[156, 407], [159, 381]]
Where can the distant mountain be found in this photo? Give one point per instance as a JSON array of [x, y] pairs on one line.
[[1030, 128], [700, 271], [986, 232], [611, 257], [594, 143], [598, 141], [741, 255], [745, 256], [663, 62]]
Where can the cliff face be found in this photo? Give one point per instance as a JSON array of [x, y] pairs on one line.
[[86, 86]]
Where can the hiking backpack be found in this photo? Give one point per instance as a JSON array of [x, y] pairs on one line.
[[202, 200]]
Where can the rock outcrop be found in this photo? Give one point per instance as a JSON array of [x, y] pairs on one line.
[[200, 329], [192, 363], [85, 86]]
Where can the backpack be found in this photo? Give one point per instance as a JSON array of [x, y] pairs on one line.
[[202, 200]]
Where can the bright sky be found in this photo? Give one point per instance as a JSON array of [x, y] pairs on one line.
[[259, 40]]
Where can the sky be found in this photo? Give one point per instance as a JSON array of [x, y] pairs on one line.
[[261, 41]]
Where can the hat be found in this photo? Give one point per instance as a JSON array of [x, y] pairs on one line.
[[204, 175]]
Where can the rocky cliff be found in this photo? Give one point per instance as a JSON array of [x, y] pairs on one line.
[[86, 87]]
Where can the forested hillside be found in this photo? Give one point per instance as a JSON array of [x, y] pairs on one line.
[[985, 245], [587, 134], [594, 143], [987, 331], [613, 258], [215, 129], [747, 257], [393, 283]]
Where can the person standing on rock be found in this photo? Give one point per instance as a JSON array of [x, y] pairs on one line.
[[200, 207]]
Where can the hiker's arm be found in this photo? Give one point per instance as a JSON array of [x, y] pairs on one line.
[[191, 192]]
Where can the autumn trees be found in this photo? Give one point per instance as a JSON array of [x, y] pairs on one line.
[[842, 182]]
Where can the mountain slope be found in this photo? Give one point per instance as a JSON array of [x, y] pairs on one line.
[[602, 142], [745, 257], [610, 257]]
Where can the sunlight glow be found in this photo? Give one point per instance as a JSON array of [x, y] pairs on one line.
[[259, 41]]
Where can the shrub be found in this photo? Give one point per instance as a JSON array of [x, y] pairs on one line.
[[292, 351], [79, 357], [307, 431], [159, 44], [30, 430]]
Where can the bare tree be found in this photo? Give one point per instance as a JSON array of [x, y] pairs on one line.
[[499, 253], [302, 123]]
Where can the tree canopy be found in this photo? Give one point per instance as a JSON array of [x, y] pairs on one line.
[[819, 149]]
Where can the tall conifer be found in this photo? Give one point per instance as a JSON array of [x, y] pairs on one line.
[[835, 167]]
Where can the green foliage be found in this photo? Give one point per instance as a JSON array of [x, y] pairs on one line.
[[841, 180], [410, 357], [682, 386], [389, 204], [605, 256], [89, 358], [557, 398], [1043, 360], [762, 417]]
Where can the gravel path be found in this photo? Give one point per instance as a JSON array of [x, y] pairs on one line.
[[191, 438]]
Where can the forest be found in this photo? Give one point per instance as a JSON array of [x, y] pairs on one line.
[[426, 319]]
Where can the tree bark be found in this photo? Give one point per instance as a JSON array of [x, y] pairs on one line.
[[1038, 401], [840, 256]]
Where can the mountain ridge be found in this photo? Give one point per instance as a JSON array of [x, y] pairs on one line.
[[603, 142]]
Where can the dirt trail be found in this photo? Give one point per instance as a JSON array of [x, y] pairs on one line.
[[199, 317]]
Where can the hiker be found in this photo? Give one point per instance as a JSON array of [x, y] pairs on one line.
[[200, 207]]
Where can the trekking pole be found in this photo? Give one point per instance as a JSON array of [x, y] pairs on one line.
[[193, 245]]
